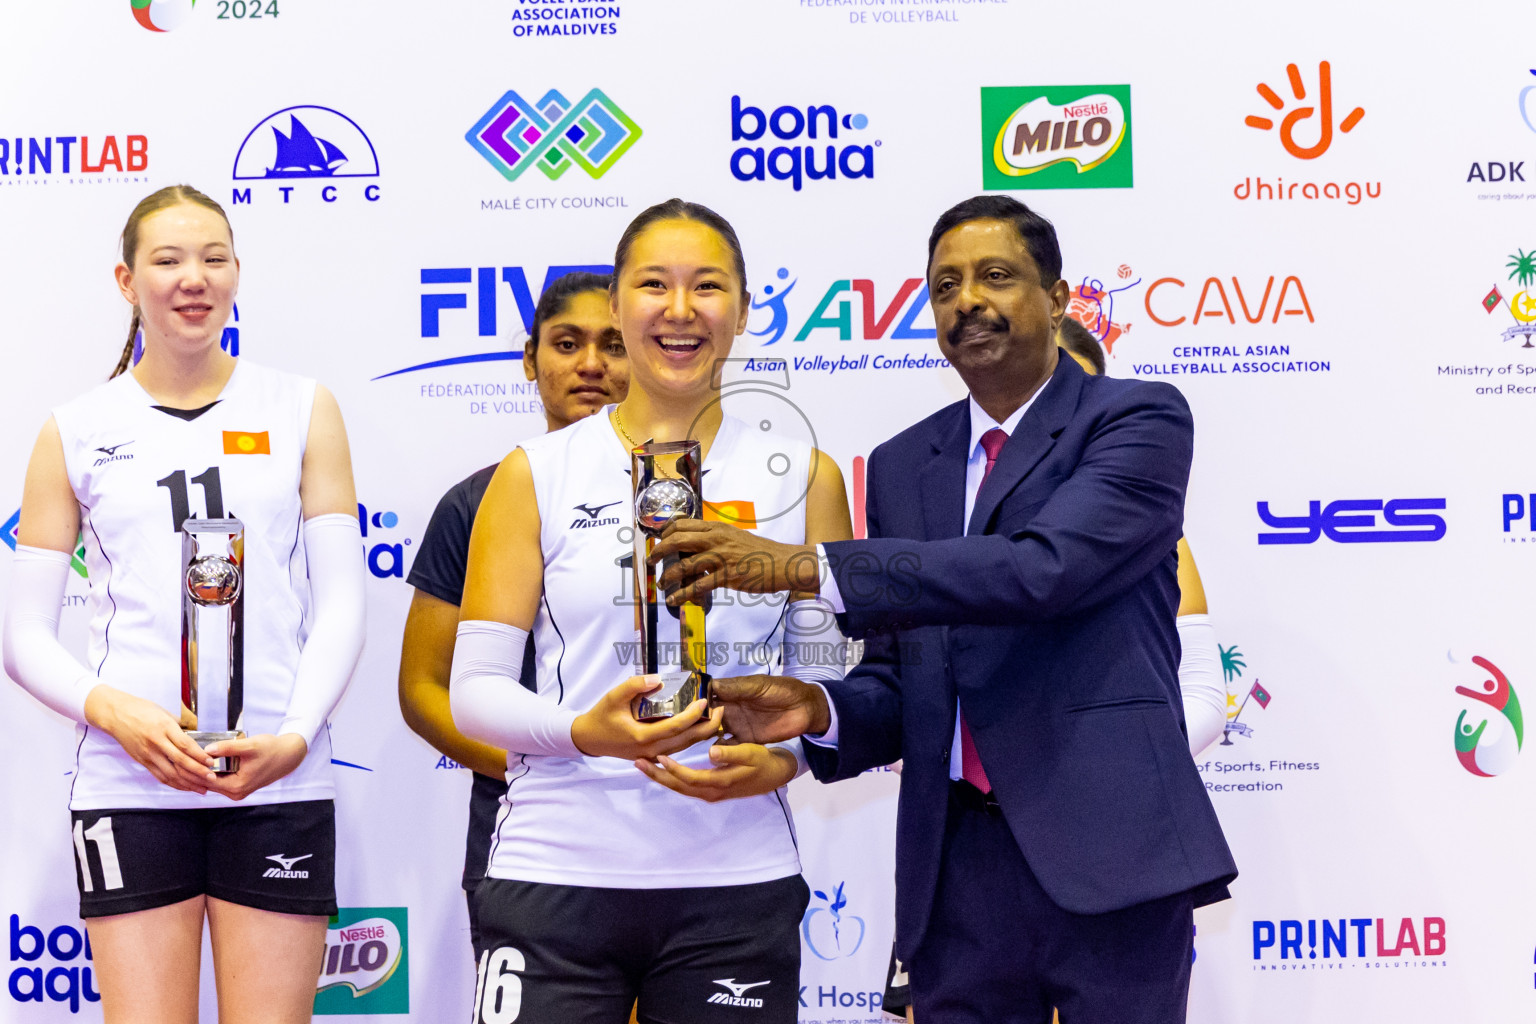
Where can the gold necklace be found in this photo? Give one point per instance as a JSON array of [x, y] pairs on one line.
[[619, 423]]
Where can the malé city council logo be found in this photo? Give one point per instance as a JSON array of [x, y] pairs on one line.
[[161, 15], [1056, 136], [1490, 747], [553, 135]]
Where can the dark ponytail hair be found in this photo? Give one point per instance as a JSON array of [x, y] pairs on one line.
[[171, 195], [677, 209]]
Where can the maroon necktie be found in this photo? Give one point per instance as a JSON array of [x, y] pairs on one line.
[[970, 762]]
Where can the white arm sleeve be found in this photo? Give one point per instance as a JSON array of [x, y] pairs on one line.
[[33, 655], [1200, 682], [331, 546], [490, 704]]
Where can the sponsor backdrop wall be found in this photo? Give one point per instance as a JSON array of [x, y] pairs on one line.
[[1312, 218]]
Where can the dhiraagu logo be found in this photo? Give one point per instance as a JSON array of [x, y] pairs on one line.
[[366, 968], [1489, 747], [1056, 136]]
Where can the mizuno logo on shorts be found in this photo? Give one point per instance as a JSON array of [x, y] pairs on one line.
[[736, 998], [286, 868]]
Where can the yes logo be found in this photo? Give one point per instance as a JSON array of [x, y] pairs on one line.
[[1323, 112], [1491, 747], [366, 967], [1056, 137], [828, 932]]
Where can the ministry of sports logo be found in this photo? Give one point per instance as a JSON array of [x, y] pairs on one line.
[[285, 867], [553, 134], [735, 996]]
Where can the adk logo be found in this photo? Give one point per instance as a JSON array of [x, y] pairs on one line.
[[162, 15], [1522, 304], [829, 933], [1528, 105], [304, 146], [367, 966], [1056, 136], [814, 143], [384, 559], [12, 528], [553, 134], [1092, 304], [1490, 747]]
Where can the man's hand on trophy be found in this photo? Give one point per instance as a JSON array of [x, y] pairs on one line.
[[770, 709], [710, 555], [609, 729], [740, 769], [150, 736], [263, 760]]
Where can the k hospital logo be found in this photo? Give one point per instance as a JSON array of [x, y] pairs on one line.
[[553, 134], [1056, 137]]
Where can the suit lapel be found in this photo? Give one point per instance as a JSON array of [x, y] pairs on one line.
[[942, 478], [1035, 436]]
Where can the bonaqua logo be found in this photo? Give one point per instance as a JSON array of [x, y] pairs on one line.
[[384, 559], [1490, 748], [162, 15], [69, 980], [810, 144], [553, 134]]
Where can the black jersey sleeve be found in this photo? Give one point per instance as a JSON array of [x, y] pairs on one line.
[[443, 555]]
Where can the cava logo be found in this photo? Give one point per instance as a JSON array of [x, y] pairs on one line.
[[1056, 137], [553, 135], [1092, 304], [1490, 747], [162, 15], [366, 963]]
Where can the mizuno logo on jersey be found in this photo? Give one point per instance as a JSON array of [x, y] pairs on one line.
[[109, 454], [592, 517], [286, 868], [736, 997], [247, 442]]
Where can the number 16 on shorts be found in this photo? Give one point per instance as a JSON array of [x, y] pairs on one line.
[[498, 989]]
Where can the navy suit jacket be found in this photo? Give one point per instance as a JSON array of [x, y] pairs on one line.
[[1053, 623]]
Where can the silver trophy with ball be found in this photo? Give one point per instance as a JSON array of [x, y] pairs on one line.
[[666, 477], [213, 633]]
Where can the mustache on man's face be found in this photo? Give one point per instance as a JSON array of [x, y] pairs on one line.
[[965, 321]]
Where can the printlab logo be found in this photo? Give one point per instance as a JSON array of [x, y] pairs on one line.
[[829, 933], [33, 982], [1348, 942], [1092, 304], [1354, 521], [366, 966], [895, 320], [162, 15], [12, 529], [303, 145], [39, 160], [1522, 304], [1232, 665], [384, 559], [1056, 136], [1311, 111], [553, 135], [791, 161], [1490, 747]]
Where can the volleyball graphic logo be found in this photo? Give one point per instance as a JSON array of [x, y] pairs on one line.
[[162, 15], [1490, 747]]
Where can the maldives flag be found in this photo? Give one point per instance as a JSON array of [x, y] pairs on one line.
[[247, 442], [1492, 299], [1259, 694]]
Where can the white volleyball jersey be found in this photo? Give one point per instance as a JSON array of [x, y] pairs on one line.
[[597, 821], [137, 472]]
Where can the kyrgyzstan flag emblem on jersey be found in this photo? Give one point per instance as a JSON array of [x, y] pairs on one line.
[[737, 513], [247, 442]]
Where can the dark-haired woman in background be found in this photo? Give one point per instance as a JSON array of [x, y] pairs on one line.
[[191, 432], [605, 887]]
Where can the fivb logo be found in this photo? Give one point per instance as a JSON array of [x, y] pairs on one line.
[[795, 163], [553, 135]]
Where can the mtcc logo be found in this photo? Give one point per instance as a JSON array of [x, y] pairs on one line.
[[1490, 748], [792, 161], [366, 966], [162, 15], [384, 560], [305, 143], [1528, 105], [1323, 112], [830, 933], [553, 134]]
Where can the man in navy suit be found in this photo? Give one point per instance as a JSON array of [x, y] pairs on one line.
[[1017, 595]]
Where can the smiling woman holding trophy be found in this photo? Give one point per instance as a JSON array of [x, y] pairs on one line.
[[219, 525], [604, 887]]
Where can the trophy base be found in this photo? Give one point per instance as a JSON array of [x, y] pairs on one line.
[[221, 765], [678, 690]]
